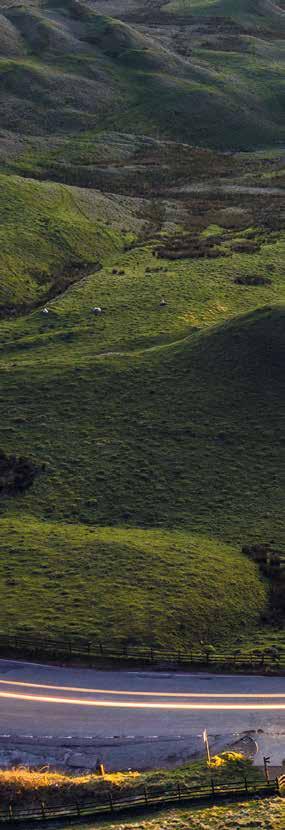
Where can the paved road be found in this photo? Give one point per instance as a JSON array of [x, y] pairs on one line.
[[86, 702]]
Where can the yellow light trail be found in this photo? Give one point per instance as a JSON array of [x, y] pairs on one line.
[[139, 705], [81, 689]]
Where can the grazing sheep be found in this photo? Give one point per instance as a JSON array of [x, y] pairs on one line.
[[97, 310]]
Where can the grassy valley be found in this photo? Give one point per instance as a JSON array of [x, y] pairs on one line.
[[148, 435]]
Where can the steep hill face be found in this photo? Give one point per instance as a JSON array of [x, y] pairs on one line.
[[68, 68]]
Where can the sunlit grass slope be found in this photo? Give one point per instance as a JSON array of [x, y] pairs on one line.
[[44, 240], [199, 293], [145, 417], [266, 814], [125, 585]]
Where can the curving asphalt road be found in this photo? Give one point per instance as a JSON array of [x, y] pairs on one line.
[[86, 702]]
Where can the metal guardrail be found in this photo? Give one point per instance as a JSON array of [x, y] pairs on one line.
[[93, 650], [151, 797]]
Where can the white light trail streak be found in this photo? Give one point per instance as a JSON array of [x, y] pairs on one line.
[[139, 705], [131, 693]]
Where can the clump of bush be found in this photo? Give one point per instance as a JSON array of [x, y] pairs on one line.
[[226, 759], [16, 474], [191, 246], [252, 280], [231, 765]]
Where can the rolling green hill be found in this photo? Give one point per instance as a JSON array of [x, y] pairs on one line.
[[141, 447], [180, 436], [68, 68], [47, 242]]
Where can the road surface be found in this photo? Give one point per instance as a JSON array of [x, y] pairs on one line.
[[85, 702]]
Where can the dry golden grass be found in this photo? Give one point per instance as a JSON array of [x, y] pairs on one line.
[[25, 784]]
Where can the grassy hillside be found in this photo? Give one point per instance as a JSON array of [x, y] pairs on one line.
[[267, 814], [187, 434], [154, 432], [129, 287], [46, 242], [142, 447], [68, 68], [246, 13], [58, 578]]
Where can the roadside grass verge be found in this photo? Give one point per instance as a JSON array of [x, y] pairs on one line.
[[266, 814], [26, 787]]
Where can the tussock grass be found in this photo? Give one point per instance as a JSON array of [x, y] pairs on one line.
[[30, 786]]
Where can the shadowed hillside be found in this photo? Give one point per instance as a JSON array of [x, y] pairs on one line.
[[191, 433], [65, 68]]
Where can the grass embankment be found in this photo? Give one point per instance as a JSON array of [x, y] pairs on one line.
[[267, 814], [124, 585], [30, 786]]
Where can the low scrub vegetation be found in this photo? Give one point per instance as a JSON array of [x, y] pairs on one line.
[[28, 787]]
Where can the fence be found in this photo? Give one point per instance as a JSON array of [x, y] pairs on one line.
[[147, 798], [93, 652]]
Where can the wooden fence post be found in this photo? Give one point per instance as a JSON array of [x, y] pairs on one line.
[[213, 786], [43, 809], [111, 802], [10, 811], [245, 784], [146, 796], [179, 791]]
